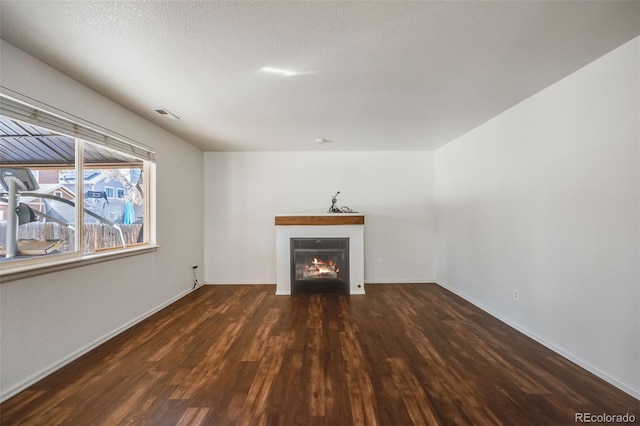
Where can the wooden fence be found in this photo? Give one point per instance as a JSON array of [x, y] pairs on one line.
[[97, 236]]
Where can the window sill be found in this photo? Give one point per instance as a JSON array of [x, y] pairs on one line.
[[31, 270]]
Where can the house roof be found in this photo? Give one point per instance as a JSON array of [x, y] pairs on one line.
[[47, 188]]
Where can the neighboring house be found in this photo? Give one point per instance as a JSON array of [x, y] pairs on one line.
[[103, 196], [47, 176], [39, 204]]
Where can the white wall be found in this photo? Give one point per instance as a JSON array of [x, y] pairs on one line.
[[244, 191], [49, 319], [545, 198]]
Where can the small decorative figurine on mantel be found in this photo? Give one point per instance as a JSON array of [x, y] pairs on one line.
[[334, 206]]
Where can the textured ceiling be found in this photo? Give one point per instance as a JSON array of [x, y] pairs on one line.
[[374, 75]]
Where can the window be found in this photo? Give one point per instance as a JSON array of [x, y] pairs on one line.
[[45, 223], [125, 177], [75, 191]]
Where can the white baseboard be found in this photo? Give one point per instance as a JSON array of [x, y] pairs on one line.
[[380, 282], [39, 375], [356, 292], [390, 281], [625, 387], [242, 283]]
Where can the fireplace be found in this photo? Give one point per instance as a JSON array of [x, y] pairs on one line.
[[319, 265], [320, 253]]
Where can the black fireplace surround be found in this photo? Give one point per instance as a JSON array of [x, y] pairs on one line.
[[320, 265]]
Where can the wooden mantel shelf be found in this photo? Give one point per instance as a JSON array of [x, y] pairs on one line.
[[326, 219]]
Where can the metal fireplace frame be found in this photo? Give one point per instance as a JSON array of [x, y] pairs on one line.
[[313, 245]]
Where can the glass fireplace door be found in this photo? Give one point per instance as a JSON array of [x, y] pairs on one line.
[[320, 265]]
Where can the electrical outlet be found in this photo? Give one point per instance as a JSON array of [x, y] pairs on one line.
[[516, 294]]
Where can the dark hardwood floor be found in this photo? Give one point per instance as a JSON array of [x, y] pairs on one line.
[[402, 354]]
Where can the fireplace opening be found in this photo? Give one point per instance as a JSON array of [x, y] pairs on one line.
[[320, 265]]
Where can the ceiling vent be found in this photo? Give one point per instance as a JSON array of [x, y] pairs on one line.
[[167, 114]]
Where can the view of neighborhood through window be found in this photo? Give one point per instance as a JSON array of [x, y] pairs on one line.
[[113, 190], [39, 176], [29, 152]]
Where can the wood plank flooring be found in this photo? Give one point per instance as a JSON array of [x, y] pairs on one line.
[[403, 354]]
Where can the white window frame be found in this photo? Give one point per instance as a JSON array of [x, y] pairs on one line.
[[17, 108], [118, 192]]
